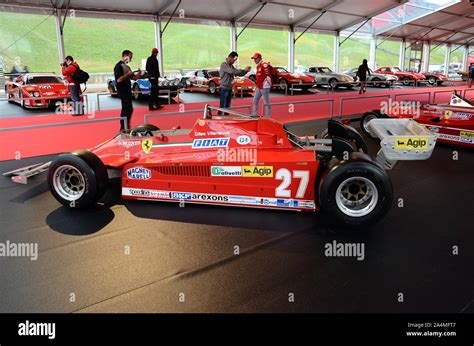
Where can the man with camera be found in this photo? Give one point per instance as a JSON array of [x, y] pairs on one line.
[[123, 76], [68, 69]]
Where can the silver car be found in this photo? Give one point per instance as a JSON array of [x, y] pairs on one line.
[[375, 79], [325, 76]]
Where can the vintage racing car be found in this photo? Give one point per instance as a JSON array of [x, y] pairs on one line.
[[209, 81], [142, 87], [37, 90], [405, 77], [435, 78], [239, 160], [288, 80], [452, 123], [374, 79]]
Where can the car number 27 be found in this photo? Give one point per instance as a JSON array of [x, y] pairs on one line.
[[286, 178]]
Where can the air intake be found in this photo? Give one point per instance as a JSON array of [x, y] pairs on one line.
[[190, 171]]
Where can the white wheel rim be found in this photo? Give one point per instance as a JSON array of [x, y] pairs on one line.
[[212, 88], [69, 182], [357, 196], [366, 121]]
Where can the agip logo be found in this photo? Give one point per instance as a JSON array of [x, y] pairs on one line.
[[139, 173], [257, 171], [409, 143]]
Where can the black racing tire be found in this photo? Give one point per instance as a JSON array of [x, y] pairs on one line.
[[365, 120], [78, 173], [144, 130], [355, 193], [212, 88], [354, 136]]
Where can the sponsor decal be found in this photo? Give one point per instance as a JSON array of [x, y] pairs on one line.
[[257, 171], [226, 171], [460, 115], [243, 140], [139, 173], [210, 143], [181, 195], [408, 143], [467, 134], [455, 138], [128, 144], [287, 203], [146, 193], [147, 144]]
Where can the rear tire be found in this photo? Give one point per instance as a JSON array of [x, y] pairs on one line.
[[356, 193], [77, 180], [366, 118], [406, 81], [212, 88], [354, 136]]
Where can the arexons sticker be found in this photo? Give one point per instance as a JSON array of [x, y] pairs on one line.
[[139, 173]]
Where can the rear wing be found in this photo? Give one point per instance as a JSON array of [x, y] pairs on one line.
[[401, 139]]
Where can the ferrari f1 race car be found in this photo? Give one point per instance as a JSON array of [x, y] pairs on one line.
[[37, 90], [452, 123], [240, 160]]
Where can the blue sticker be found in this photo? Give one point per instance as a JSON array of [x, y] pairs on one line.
[[210, 143]]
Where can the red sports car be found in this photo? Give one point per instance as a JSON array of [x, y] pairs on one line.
[[209, 81], [287, 79], [37, 90], [435, 78], [406, 77], [235, 160], [452, 123]]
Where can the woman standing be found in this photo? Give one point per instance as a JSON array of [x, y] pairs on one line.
[[362, 74]]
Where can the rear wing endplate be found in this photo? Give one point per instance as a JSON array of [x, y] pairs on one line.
[[401, 139]]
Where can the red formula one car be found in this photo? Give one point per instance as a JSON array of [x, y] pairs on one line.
[[37, 90], [406, 77], [452, 123], [209, 81], [238, 160]]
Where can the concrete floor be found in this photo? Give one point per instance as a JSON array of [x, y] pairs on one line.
[[174, 251]]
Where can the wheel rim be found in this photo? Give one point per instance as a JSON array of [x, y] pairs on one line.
[[432, 80], [333, 83], [365, 123], [136, 91], [356, 196], [406, 81], [212, 88], [283, 85], [69, 182]]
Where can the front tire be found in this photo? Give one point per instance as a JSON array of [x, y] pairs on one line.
[[212, 88], [78, 179], [406, 81], [283, 84], [356, 193]]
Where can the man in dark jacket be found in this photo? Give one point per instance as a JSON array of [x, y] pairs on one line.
[[362, 74], [153, 69], [69, 67], [123, 74]]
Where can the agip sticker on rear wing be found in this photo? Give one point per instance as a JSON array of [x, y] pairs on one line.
[[401, 139]]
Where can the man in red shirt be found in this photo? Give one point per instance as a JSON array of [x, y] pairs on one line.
[[264, 84], [70, 67]]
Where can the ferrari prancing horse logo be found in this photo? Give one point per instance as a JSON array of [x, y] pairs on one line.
[[146, 145]]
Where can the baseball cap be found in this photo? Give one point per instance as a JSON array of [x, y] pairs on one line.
[[256, 56], [154, 50]]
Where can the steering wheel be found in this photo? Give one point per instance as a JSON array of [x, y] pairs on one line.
[[141, 133]]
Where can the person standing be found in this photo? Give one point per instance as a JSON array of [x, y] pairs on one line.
[[227, 72], [470, 74], [69, 67], [362, 74], [153, 69], [123, 76], [263, 78]]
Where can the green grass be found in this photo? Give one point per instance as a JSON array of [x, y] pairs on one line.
[[97, 44]]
